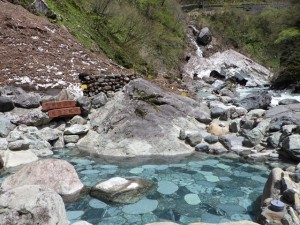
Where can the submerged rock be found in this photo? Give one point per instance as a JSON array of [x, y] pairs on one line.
[[56, 174], [121, 190], [32, 204]]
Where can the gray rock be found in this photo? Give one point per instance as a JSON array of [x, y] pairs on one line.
[[16, 158], [182, 135], [99, 100], [77, 120], [256, 113], [204, 37], [14, 136], [31, 118], [85, 105], [274, 139], [5, 126], [28, 100], [76, 129], [6, 104], [288, 101], [231, 141], [51, 173], [19, 145], [32, 204], [211, 139], [283, 115], [50, 134], [291, 146], [202, 148], [255, 101], [3, 144], [217, 111], [218, 85], [71, 138], [254, 136], [273, 186], [193, 138], [288, 129], [121, 190], [133, 122], [217, 149], [234, 126]]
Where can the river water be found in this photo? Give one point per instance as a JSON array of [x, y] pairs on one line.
[[197, 188]]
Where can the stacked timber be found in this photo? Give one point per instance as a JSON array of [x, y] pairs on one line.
[[94, 84]]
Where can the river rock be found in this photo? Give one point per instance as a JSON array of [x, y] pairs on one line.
[[3, 144], [76, 129], [77, 120], [202, 148], [56, 174], [231, 141], [288, 101], [217, 149], [71, 138], [211, 139], [50, 134], [32, 204], [6, 104], [5, 126], [133, 122], [99, 100], [16, 158], [254, 136], [291, 146], [33, 117], [121, 190], [255, 101], [204, 37], [85, 105], [234, 126], [274, 139], [284, 115], [217, 111], [193, 138], [273, 186], [19, 145], [28, 100]]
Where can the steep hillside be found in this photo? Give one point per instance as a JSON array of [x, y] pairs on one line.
[[35, 53]]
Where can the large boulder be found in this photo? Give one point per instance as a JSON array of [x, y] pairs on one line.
[[32, 204], [283, 115], [255, 101], [134, 122], [33, 117], [6, 104], [121, 190], [56, 174]]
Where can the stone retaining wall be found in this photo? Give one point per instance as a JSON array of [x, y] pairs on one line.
[[94, 84]]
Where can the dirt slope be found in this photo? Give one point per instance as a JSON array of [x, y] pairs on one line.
[[35, 53]]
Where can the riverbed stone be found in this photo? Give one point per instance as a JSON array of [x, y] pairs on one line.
[[16, 158], [19, 145], [231, 141], [121, 190], [71, 138], [274, 139], [192, 199], [255, 101], [202, 148], [254, 136], [217, 111], [288, 101], [211, 139], [234, 126], [28, 100], [141, 207], [3, 144], [56, 174], [167, 187], [32, 204], [193, 138], [76, 129], [291, 146], [5, 126], [97, 204], [6, 104]]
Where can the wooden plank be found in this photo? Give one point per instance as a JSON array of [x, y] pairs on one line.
[[64, 112], [58, 105]]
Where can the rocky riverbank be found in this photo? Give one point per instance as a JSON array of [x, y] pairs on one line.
[[143, 120]]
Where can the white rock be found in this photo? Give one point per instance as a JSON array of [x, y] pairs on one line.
[[16, 158]]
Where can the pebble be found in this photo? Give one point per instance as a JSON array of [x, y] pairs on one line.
[[167, 187], [140, 207], [192, 199]]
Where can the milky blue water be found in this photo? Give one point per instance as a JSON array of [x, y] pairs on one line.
[[198, 188]]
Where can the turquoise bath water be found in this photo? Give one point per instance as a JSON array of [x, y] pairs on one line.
[[198, 188]]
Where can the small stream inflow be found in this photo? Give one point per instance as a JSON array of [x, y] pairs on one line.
[[198, 188]]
